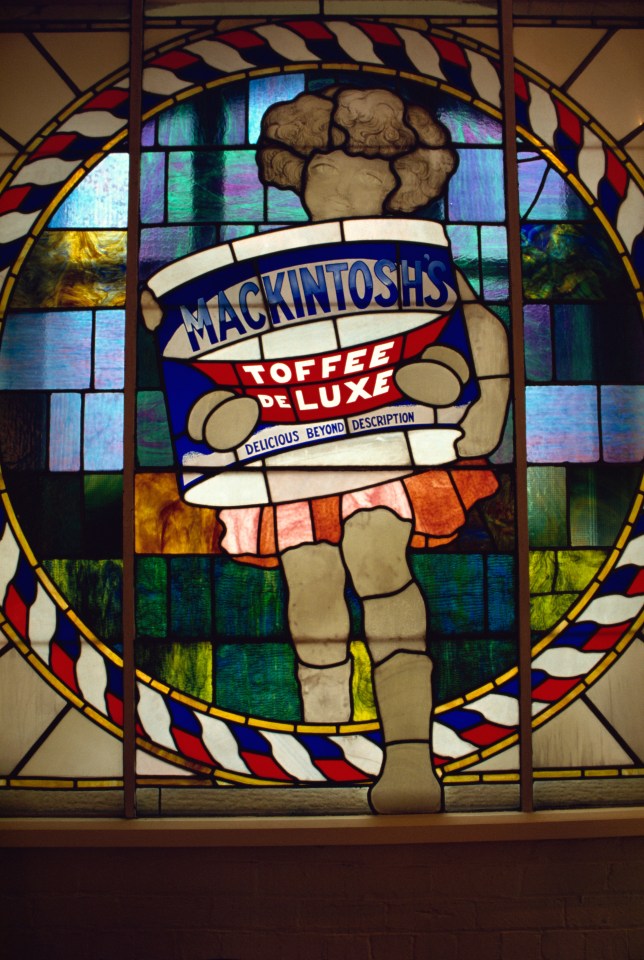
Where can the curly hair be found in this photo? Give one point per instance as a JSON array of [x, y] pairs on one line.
[[373, 123]]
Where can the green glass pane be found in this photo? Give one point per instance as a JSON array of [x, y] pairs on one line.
[[190, 593], [184, 666], [547, 506], [362, 696], [102, 530], [600, 499], [542, 571], [23, 431], [153, 445], [151, 597], [50, 512], [576, 568], [147, 363], [93, 589], [258, 679], [285, 206], [461, 666], [547, 610], [250, 602], [570, 261]]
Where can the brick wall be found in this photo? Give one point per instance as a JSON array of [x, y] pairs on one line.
[[540, 900]]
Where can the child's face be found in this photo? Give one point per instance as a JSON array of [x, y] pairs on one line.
[[338, 185]]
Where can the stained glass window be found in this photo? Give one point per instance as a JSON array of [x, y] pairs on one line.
[[379, 489]]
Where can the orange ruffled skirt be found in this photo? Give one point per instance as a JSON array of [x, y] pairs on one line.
[[436, 501]]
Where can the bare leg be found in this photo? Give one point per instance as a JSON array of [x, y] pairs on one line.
[[319, 624], [374, 547]]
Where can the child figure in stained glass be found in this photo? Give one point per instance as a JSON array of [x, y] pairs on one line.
[[364, 153]]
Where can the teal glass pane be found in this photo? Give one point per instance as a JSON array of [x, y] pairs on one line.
[[537, 342], [266, 91], [152, 187], [65, 431], [103, 431], [151, 597], [109, 349], [190, 597], [547, 522], [494, 254], [468, 125], [211, 118], [46, 351], [214, 186], [500, 593], [100, 199], [453, 588], [285, 206], [475, 192], [599, 342], [250, 602], [258, 679], [562, 424], [622, 423], [153, 445], [600, 498]]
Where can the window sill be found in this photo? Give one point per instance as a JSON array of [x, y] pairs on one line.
[[324, 831]]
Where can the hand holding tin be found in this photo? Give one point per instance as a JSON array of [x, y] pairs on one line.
[[222, 419], [436, 379]]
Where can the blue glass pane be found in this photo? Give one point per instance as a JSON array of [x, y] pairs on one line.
[[622, 422], [65, 431], [266, 91], [100, 199], [109, 349], [532, 170], [538, 343], [214, 186], [162, 245], [148, 133], [562, 424], [103, 431], [152, 187], [558, 201], [213, 118], [476, 190], [46, 351]]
